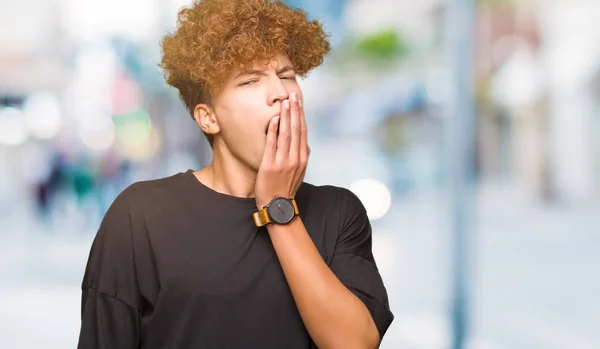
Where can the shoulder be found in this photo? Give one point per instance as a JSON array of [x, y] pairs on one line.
[[142, 191], [333, 199], [141, 194], [342, 213], [149, 187]]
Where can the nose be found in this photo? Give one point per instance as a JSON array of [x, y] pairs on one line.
[[277, 92]]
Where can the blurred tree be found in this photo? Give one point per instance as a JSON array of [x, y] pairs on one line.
[[380, 50], [383, 45]]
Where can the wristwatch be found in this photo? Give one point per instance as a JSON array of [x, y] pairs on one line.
[[280, 210]]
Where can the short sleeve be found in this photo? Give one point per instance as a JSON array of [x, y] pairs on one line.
[[107, 322], [353, 262], [109, 307]]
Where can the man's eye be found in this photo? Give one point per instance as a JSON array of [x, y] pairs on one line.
[[288, 77], [246, 83]]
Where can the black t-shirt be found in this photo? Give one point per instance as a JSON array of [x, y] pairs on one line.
[[177, 265]]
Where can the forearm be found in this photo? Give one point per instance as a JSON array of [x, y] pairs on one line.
[[333, 316]]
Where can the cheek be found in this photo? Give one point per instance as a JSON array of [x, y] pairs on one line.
[[249, 129], [240, 118]]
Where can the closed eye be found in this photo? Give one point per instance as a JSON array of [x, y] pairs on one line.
[[249, 82]]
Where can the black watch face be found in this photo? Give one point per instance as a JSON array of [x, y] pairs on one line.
[[281, 210]]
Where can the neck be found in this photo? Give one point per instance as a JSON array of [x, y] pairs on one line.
[[227, 175]]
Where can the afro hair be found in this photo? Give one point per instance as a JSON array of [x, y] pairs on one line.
[[214, 37]]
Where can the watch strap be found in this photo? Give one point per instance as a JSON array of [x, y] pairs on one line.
[[261, 217]]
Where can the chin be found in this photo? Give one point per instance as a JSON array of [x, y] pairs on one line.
[[257, 160], [254, 163], [255, 166]]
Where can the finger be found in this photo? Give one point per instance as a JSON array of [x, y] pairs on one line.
[[304, 150], [295, 128], [283, 140], [271, 143]]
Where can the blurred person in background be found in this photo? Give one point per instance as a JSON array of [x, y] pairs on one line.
[[242, 253], [47, 188]]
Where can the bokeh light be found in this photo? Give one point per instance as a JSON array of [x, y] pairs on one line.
[[136, 137], [374, 195], [98, 138], [13, 130], [42, 114]]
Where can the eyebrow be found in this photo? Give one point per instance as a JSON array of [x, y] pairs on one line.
[[283, 69]]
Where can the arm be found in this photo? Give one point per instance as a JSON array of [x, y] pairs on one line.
[[107, 322], [109, 314], [344, 306], [333, 316]]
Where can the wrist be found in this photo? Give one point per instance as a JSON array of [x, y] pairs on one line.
[[279, 210], [275, 228], [261, 202]]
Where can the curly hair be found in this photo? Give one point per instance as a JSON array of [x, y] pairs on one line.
[[213, 37]]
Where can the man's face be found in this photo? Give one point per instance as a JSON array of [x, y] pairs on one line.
[[247, 103]]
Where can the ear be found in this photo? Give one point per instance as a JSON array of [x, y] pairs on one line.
[[205, 118]]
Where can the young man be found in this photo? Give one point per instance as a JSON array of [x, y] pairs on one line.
[[243, 253]]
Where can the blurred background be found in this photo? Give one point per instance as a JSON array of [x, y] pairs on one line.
[[503, 230]]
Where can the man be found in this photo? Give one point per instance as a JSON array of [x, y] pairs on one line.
[[243, 253]]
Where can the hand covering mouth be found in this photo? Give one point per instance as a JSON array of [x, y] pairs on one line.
[[267, 127]]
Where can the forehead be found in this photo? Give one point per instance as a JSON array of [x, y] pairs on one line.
[[274, 63]]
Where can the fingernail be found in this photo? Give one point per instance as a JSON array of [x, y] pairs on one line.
[[293, 96], [286, 104], [300, 103], [275, 119]]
